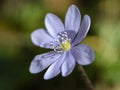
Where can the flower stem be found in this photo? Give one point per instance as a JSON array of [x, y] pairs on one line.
[[85, 78]]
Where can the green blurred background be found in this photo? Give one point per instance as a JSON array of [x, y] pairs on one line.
[[18, 18]]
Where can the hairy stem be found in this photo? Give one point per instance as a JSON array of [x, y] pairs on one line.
[[85, 78]]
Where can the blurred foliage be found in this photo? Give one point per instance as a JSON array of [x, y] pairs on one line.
[[18, 18]]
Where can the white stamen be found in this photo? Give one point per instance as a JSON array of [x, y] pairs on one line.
[[57, 44]]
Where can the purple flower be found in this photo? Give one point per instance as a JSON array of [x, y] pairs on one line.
[[64, 40]]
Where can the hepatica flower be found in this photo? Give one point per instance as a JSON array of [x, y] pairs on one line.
[[64, 40]]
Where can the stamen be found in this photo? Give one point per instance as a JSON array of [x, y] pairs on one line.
[[62, 43]]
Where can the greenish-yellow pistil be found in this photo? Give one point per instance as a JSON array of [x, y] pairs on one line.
[[66, 45]]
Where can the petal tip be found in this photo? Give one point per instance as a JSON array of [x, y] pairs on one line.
[[32, 71], [46, 77], [65, 74], [87, 17], [48, 14], [73, 6]]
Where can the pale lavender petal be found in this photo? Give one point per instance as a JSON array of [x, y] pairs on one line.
[[54, 69], [84, 28], [41, 62], [53, 24], [68, 65], [71, 34], [72, 19], [83, 54], [41, 38]]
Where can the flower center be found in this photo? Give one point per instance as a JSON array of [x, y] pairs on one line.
[[62, 43], [65, 45]]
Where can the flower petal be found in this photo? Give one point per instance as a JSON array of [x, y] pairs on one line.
[[53, 24], [83, 54], [71, 35], [41, 38], [72, 19], [84, 28], [41, 62], [68, 65], [54, 69]]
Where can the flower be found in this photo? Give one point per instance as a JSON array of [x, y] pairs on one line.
[[64, 40]]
